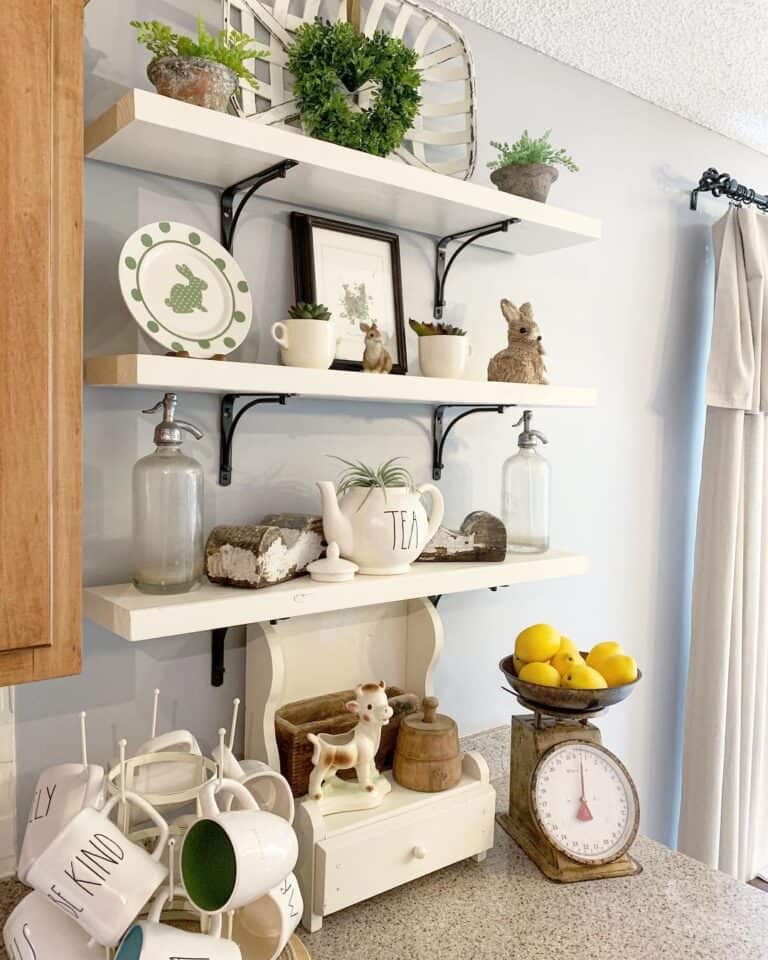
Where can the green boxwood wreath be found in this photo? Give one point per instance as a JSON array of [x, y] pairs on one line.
[[330, 61]]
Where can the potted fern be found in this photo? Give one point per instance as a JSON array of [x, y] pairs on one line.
[[204, 71], [529, 167], [307, 337], [443, 349]]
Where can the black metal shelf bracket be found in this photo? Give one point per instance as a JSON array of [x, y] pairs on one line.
[[217, 656], [229, 215], [228, 421], [440, 431], [443, 262]]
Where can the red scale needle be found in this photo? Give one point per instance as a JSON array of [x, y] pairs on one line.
[[584, 812]]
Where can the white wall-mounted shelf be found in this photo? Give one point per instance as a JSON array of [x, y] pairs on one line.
[[135, 616], [209, 376], [145, 131]]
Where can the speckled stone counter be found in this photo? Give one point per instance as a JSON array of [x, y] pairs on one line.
[[503, 908]]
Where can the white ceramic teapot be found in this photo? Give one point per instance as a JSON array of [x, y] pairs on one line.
[[382, 530]]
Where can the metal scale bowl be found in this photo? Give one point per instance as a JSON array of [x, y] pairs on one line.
[[548, 751]]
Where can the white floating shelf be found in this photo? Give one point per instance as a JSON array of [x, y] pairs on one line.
[[148, 132], [212, 376], [125, 611]]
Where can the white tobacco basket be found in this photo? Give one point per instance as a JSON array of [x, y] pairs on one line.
[[443, 136]]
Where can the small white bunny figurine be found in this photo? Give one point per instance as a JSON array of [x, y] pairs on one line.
[[521, 361], [376, 358]]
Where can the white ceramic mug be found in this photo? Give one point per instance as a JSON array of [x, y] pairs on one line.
[[98, 877], [444, 356], [230, 858], [61, 793], [36, 930], [268, 788], [167, 778], [306, 342], [264, 927], [152, 940]]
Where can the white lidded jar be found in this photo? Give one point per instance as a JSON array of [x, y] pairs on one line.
[[525, 493], [168, 510]]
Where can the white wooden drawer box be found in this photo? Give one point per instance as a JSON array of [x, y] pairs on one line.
[[346, 858]]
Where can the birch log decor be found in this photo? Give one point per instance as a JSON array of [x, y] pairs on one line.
[[481, 538], [259, 555]]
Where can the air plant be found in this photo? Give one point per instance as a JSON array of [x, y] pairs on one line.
[[359, 474]]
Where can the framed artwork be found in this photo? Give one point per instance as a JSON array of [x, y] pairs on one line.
[[355, 272]]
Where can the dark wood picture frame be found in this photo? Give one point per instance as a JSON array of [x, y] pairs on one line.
[[305, 283]]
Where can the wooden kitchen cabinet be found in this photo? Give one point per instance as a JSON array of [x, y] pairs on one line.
[[41, 262]]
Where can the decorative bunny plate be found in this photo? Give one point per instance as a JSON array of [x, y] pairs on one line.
[[184, 290]]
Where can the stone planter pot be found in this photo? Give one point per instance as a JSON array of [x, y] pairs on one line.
[[194, 80], [531, 180]]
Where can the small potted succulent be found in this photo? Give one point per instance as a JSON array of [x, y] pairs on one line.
[[529, 167], [307, 337], [443, 349], [204, 71]]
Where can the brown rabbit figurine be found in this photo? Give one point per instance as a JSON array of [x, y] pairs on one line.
[[521, 361], [376, 358]]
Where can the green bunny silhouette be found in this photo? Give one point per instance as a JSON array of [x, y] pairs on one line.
[[187, 297]]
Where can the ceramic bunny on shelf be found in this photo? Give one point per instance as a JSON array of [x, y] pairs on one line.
[[521, 361], [356, 749], [376, 358]]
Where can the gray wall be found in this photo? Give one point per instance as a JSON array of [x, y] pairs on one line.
[[629, 315]]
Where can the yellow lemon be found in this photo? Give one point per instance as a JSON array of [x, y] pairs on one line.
[[564, 660], [582, 677], [519, 664], [541, 673], [567, 645], [537, 643], [619, 669], [601, 651]]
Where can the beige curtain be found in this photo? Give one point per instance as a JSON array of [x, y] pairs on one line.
[[724, 811]]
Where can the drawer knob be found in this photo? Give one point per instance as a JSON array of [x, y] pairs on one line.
[[419, 852]]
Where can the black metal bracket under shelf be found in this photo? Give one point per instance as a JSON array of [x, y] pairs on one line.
[[440, 431], [217, 655], [228, 421], [229, 215], [443, 262]]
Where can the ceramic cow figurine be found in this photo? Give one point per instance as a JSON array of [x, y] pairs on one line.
[[332, 752]]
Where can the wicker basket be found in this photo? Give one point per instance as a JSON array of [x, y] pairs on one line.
[[328, 714]]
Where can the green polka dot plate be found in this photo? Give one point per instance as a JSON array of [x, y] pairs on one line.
[[184, 290]]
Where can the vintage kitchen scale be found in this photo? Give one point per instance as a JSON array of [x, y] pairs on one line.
[[573, 807]]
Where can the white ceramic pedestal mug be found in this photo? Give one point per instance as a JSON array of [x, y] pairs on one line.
[[36, 930], [61, 793], [306, 342], [230, 859], [269, 789], [444, 356], [264, 927], [152, 940], [98, 877]]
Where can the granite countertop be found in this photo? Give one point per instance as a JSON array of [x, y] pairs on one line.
[[504, 908]]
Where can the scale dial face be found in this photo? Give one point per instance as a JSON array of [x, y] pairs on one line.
[[585, 802]]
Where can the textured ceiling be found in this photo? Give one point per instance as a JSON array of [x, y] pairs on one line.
[[703, 60]]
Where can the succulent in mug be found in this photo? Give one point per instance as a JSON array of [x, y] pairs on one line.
[[309, 311], [436, 329]]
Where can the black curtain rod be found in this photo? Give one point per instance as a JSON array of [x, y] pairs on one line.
[[723, 185]]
